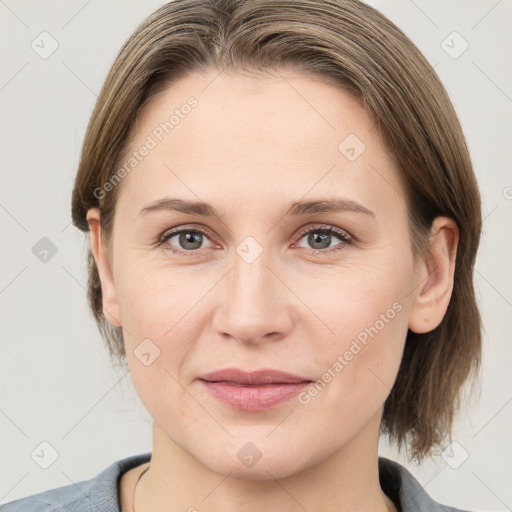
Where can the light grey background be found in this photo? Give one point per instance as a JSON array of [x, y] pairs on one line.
[[56, 382]]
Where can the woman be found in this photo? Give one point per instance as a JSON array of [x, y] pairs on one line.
[[283, 224]]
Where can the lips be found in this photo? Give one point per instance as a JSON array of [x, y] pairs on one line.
[[253, 391], [253, 378]]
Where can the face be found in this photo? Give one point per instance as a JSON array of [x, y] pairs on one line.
[[263, 283]]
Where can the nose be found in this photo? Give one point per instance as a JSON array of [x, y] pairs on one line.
[[255, 306]]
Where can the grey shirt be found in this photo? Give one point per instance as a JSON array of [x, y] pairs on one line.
[[101, 493]]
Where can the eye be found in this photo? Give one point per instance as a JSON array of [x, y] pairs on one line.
[[188, 240], [320, 238]]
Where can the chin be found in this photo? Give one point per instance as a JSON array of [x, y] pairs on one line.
[[262, 470], [256, 461]]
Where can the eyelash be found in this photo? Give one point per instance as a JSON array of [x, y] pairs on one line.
[[342, 235]]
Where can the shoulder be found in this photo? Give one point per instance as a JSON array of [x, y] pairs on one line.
[[98, 494], [402, 487]]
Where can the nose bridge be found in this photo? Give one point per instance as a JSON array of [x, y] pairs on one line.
[[251, 282], [250, 278], [252, 307]]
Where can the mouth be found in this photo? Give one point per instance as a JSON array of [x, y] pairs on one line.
[[253, 391], [261, 377]]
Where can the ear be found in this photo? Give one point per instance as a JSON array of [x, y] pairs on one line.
[[108, 289], [432, 296]]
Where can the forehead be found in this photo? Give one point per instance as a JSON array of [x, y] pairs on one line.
[[237, 134], [299, 108]]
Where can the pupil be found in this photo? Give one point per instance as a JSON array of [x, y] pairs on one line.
[[190, 238], [323, 237]]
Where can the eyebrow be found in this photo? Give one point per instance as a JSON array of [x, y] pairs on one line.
[[295, 209]]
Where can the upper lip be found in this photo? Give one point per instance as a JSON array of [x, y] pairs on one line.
[[262, 376]]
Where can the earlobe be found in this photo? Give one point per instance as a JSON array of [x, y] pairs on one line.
[[432, 298], [108, 289]]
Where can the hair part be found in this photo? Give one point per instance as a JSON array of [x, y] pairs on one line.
[[353, 45]]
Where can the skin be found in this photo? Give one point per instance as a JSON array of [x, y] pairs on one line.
[[253, 145]]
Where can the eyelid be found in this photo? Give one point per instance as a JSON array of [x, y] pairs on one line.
[[342, 233]]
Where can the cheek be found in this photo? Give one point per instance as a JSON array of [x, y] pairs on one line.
[[360, 342], [159, 327], [154, 298], [161, 316], [351, 299]]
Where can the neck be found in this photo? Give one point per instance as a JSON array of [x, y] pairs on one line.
[[345, 481]]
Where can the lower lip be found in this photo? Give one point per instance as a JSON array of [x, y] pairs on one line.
[[254, 398]]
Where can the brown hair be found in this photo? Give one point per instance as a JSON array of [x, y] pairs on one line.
[[356, 47]]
